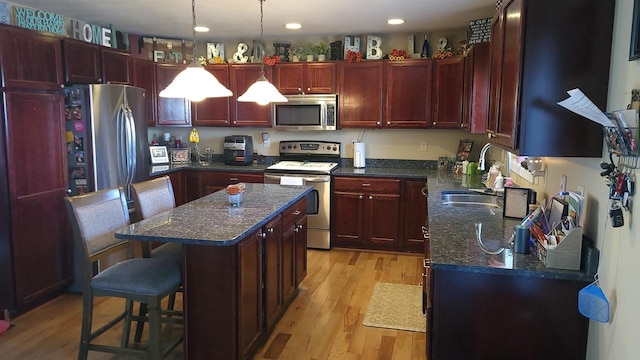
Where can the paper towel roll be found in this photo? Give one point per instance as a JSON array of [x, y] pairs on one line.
[[358, 155]]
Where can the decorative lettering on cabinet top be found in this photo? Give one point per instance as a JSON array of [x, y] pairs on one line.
[[479, 31], [91, 33], [39, 20]]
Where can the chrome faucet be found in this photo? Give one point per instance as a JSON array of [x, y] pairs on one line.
[[483, 152]]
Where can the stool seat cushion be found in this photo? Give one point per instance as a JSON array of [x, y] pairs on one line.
[[143, 276]]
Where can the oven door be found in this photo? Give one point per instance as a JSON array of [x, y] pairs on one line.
[[318, 206]]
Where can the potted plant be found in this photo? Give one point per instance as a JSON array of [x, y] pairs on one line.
[[309, 50], [297, 51], [322, 50]]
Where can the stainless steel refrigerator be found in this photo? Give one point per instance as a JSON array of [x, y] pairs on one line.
[[107, 143]]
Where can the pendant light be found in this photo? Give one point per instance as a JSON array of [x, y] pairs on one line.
[[262, 91], [195, 82]]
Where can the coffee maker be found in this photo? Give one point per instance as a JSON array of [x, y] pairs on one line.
[[238, 150]]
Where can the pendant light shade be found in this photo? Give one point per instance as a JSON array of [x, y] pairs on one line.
[[195, 82], [262, 91]]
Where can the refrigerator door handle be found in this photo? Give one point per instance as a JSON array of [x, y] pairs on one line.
[[121, 145], [133, 156]]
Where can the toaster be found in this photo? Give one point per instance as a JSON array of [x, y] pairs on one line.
[[238, 150]]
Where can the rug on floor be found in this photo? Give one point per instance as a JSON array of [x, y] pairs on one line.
[[396, 306]]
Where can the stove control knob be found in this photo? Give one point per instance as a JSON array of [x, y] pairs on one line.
[[295, 146], [283, 147], [288, 146], [335, 148]]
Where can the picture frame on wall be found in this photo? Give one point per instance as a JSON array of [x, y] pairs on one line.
[[159, 154], [634, 48]]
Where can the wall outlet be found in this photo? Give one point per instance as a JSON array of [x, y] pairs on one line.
[[563, 183], [423, 146], [580, 190]]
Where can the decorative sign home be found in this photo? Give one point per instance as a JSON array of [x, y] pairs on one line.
[[348, 46], [91, 33], [174, 51], [373, 47], [39, 20], [479, 31]]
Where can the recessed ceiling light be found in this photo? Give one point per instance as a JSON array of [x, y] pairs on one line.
[[395, 21], [293, 26], [201, 28]]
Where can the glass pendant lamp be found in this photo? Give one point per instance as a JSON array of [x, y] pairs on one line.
[[195, 82], [262, 91]]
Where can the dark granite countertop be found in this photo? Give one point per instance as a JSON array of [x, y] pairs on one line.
[[211, 220], [407, 173], [453, 242], [211, 166]]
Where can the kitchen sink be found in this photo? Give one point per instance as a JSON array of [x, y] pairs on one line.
[[469, 199]]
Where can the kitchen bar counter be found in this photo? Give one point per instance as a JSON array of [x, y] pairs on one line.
[[211, 220]]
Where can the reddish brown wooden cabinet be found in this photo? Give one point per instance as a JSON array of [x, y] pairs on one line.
[[213, 181], [294, 248], [408, 89], [273, 292], [305, 78], [171, 111], [415, 215], [360, 86], [214, 111], [143, 75], [448, 82], [37, 233], [116, 66], [246, 113], [373, 208], [525, 87], [250, 309], [29, 60], [82, 62], [477, 72]]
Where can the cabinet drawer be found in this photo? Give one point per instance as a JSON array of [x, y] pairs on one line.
[[294, 213], [367, 184]]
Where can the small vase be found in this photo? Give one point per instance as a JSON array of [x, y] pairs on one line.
[[295, 58], [321, 57], [310, 57]]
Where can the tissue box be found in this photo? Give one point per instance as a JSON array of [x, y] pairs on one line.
[[566, 255]]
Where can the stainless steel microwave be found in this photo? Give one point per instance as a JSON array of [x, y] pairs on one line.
[[306, 112]]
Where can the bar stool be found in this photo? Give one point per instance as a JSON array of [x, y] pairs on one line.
[[94, 218], [152, 197]]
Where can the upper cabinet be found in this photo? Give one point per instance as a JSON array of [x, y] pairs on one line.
[[245, 113], [29, 60], [143, 75], [477, 71], [171, 111], [305, 78], [116, 66], [448, 82], [360, 87], [214, 111], [408, 88], [539, 50], [82, 62]]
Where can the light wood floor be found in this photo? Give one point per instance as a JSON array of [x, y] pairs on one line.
[[323, 322]]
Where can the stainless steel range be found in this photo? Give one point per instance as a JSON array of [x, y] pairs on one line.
[[309, 163]]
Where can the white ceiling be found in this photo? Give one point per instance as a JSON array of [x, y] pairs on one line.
[[239, 19]]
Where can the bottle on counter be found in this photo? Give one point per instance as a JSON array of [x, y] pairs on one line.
[[465, 166]]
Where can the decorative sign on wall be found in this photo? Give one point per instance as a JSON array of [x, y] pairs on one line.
[[174, 51], [39, 20], [239, 57], [479, 31], [355, 47], [91, 33], [373, 47]]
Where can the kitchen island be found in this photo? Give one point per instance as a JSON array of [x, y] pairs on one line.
[[505, 306], [234, 257]]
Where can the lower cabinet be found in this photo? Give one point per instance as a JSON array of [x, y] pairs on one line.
[[273, 271], [378, 213], [213, 181], [250, 286], [366, 213]]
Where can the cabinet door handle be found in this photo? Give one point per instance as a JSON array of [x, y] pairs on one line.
[[366, 184], [377, 122], [388, 122], [270, 230], [360, 197], [233, 179], [300, 226], [296, 229], [308, 89], [433, 123], [263, 235], [296, 213], [370, 197], [425, 191]]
